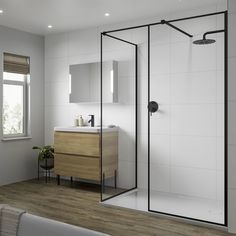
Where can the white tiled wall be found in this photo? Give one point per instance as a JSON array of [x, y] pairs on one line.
[[232, 117], [187, 148], [186, 81]]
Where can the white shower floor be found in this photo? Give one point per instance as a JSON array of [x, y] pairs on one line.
[[196, 208]]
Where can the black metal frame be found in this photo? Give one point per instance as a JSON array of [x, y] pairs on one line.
[[176, 28], [148, 26], [136, 120], [212, 32]]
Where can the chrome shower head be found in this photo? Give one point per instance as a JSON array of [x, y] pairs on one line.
[[204, 41]]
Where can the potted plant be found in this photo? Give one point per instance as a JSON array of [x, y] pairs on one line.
[[45, 157]]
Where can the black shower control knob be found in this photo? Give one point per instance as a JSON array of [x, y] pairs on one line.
[[153, 106]]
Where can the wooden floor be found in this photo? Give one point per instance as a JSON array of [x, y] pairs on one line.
[[79, 205]]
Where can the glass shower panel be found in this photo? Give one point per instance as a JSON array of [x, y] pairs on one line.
[[186, 162], [118, 109]]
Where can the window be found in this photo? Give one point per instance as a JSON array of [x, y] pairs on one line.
[[16, 81]]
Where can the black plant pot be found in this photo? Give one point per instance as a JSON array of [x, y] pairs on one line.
[[46, 164]]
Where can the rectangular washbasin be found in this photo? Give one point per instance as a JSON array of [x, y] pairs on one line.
[[86, 129]]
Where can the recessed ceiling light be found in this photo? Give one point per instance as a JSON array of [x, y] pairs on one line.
[[1, 11], [107, 14], [49, 26]]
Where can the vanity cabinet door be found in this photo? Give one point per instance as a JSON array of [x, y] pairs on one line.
[[77, 166], [84, 144]]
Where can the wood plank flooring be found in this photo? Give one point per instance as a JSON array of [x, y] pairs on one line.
[[79, 205]]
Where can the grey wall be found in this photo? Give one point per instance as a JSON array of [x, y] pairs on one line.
[[232, 117], [17, 159]]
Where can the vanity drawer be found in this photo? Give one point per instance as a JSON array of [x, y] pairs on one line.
[[84, 144], [77, 166]]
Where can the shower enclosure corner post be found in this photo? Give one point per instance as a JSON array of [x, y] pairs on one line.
[[136, 116], [226, 115], [101, 174], [149, 194]]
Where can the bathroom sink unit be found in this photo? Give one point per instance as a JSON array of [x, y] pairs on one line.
[[78, 153], [86, 129]]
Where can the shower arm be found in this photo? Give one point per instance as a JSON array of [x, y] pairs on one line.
[[176, 28], [212, 32]]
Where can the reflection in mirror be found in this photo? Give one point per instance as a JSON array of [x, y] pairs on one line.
[[84, 82]]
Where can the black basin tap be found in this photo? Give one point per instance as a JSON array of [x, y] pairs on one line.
[[91, 121]]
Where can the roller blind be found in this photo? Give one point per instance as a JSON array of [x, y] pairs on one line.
[[16, 64]]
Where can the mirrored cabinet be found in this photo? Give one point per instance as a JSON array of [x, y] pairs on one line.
[[85, 82]]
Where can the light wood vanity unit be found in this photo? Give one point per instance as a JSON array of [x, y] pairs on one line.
[[78, 153]]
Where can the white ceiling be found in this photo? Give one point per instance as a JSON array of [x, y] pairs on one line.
[[35, 15]]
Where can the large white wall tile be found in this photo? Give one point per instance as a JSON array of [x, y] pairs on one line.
[[160, 177], [187, 57], [204, 58], [57, 93], [143, 148], [126, 68], [160, 88], [126, 90], [56, 70], [220, 58], [198, 119], [83, 42], [194, 182], [160, 149], [56, 46], [220, 81], [160, 34], [142, 90], [84, 58], [160, 58], [220, 153], [198, 87], [142, 119], [120, 115], [126, 149], [220, 185], [56, 116], [160, 121], [181, 57], [195, 152], [142, 60], [220, 124], [126, 174], [142, 175]]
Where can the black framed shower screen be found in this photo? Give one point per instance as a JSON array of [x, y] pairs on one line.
[[109, 187], [148, 26]]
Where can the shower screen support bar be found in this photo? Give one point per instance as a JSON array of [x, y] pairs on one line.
[[111, 36], [176, 28]]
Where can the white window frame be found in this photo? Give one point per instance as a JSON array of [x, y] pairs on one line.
[[25, 84]]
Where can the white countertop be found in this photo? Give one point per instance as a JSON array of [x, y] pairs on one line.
[[86, 129]]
